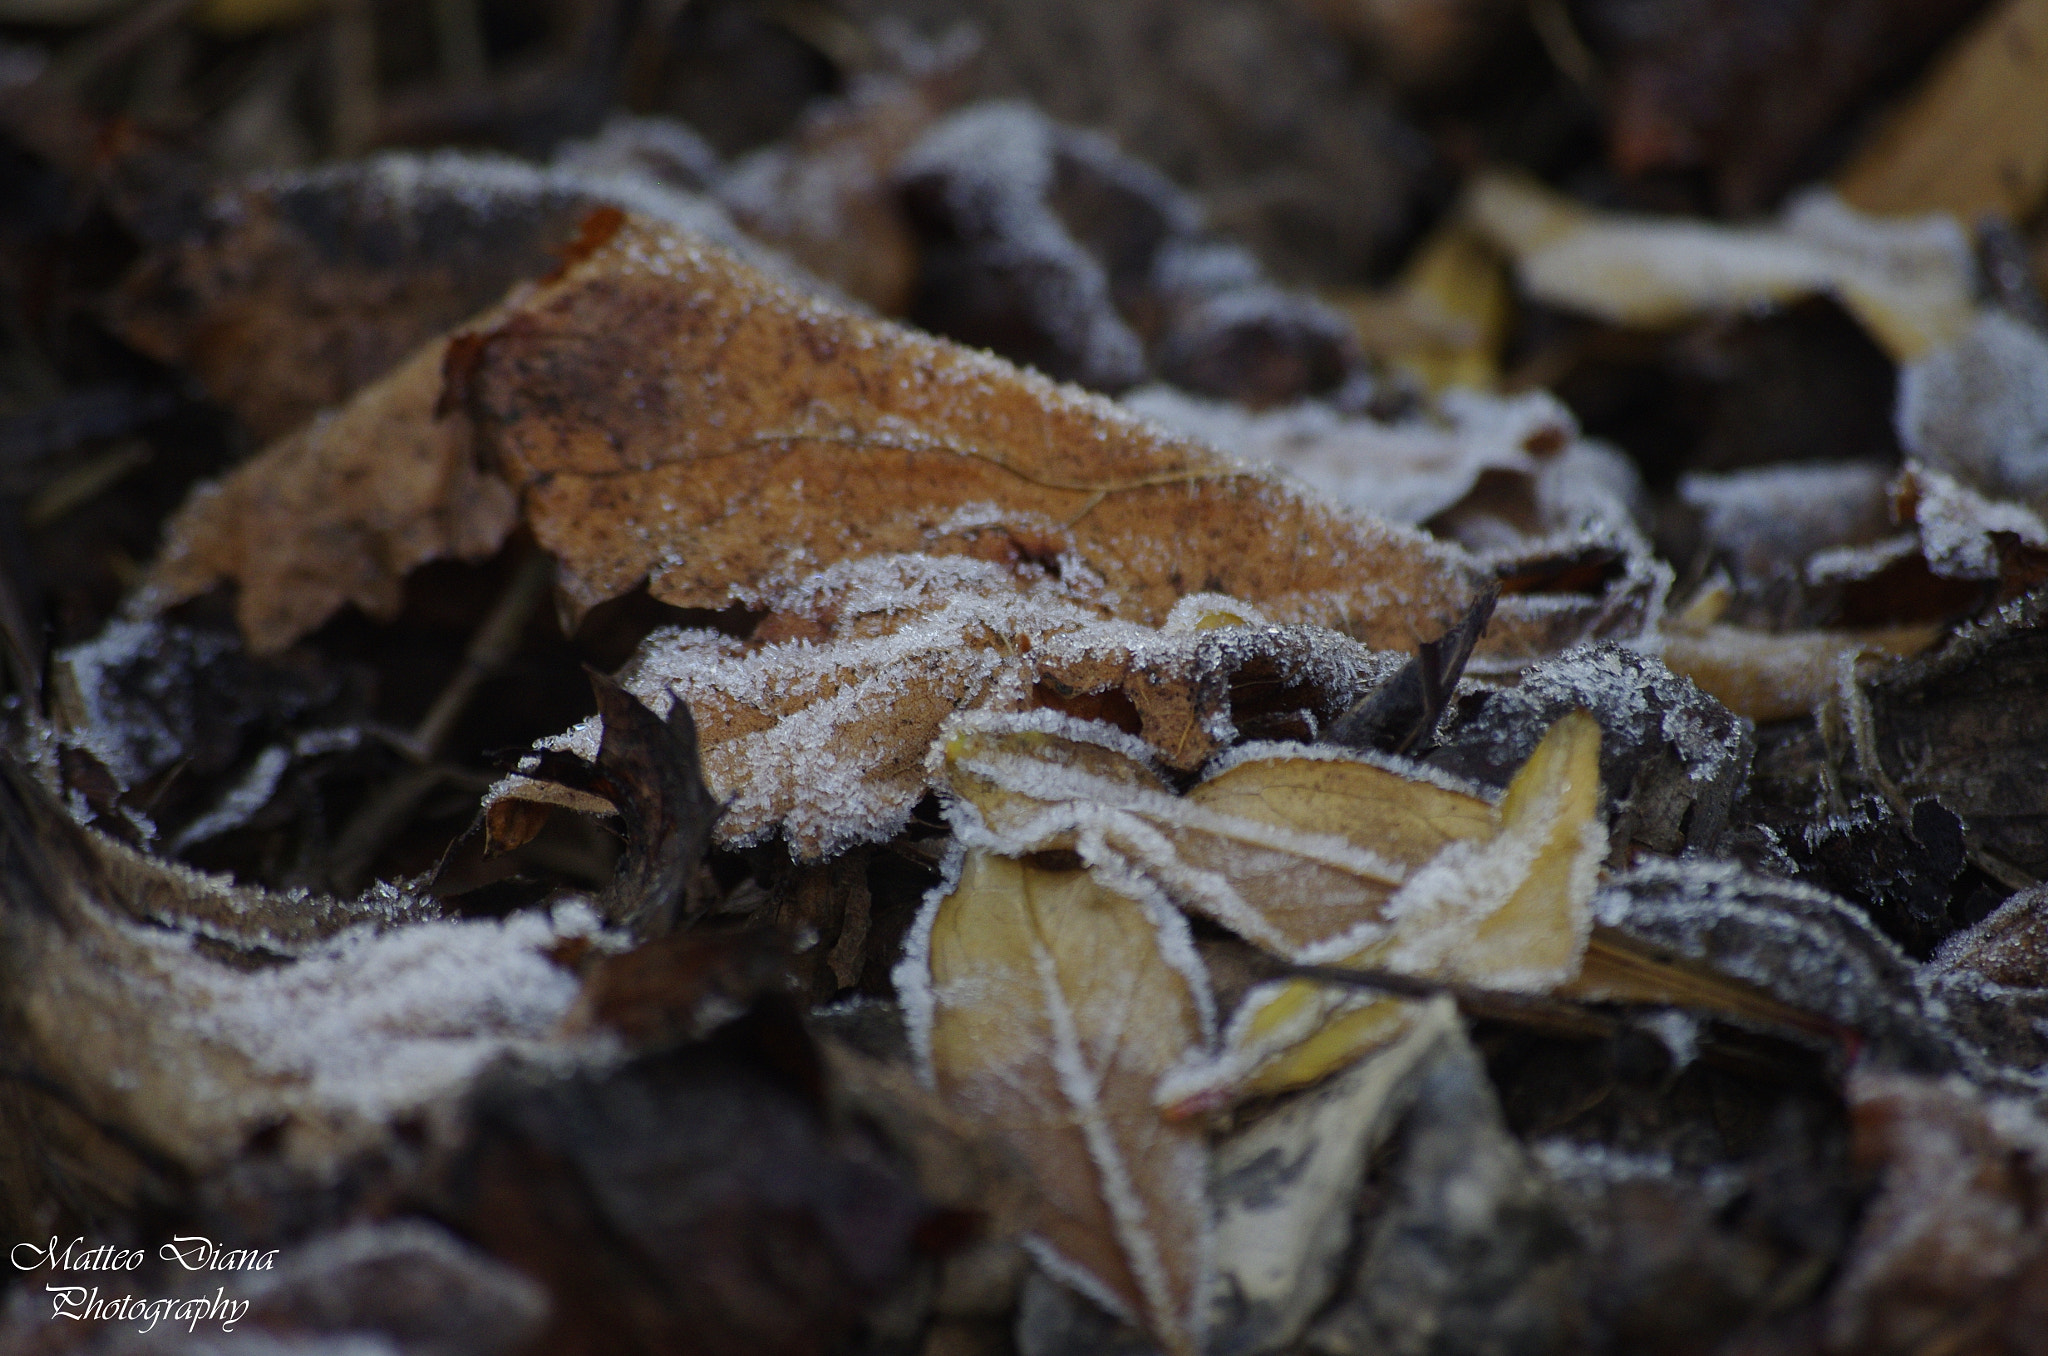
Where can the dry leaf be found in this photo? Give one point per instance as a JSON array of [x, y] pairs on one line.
[[1911, 283], [822, 736], [1315, 855], [1783, 675], [1446, 319], [1294, 848], [825, 195], [1510, 911], [1046, 1006], [1974, 137], [175, 1057], [665, 413], [293, 291]]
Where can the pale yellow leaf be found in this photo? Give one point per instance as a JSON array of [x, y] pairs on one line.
[[1047, 1007], [1511, 911]]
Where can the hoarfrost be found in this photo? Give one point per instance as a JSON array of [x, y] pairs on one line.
[[1804, 947], [1407, 472], [375, 1023], [1959, 527], [1672, 759], [1977, 409], [823, 738], [1764, 522]]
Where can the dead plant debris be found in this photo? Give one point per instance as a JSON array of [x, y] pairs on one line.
[[1225, 677]]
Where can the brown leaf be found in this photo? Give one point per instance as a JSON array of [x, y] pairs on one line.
[[664, 412], [1952, 1253], [294, 291], [822, 735], [1047, 1007]]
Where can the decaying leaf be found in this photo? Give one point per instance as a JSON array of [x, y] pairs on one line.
[[1911, 283], [1286, 1188], [821, 735], [135, 1052], [1672, 761], [1402, 714], [1952, 1252], [1046, 1006], [1963, 724], [294, 291], [665, 413], [1797, 948]]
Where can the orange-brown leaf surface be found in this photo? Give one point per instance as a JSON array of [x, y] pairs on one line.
[[665, 413]]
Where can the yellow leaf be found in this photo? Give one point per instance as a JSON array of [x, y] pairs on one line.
[[1047, 1007], [1294, 848], [1510, 912]]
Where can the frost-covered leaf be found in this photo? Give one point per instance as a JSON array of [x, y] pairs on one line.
[[1508, 911], [1805, 951], [1294, 848], [663, 412], [1966, 724], [822, 736], [145, 1028], [1314, 855], [1911, 282], [1672, 760], [1046, 1006]]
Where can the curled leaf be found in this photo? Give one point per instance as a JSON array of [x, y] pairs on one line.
[[821, 734], [1511, 911]]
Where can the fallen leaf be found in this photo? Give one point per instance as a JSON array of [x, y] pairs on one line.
[[821, 736], [825, 195], [1296, 849], [1446, 318], [1469, 1241], [1508, 911], [1911, 282], [1402, 714], [1672, 760], [1973, 138], [1963, 724], [146, 1059], [665, 413], [1951, 1252], [1287, 1188], [1046, 1006], [293, 291], [1780, 675], [647, 768]]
